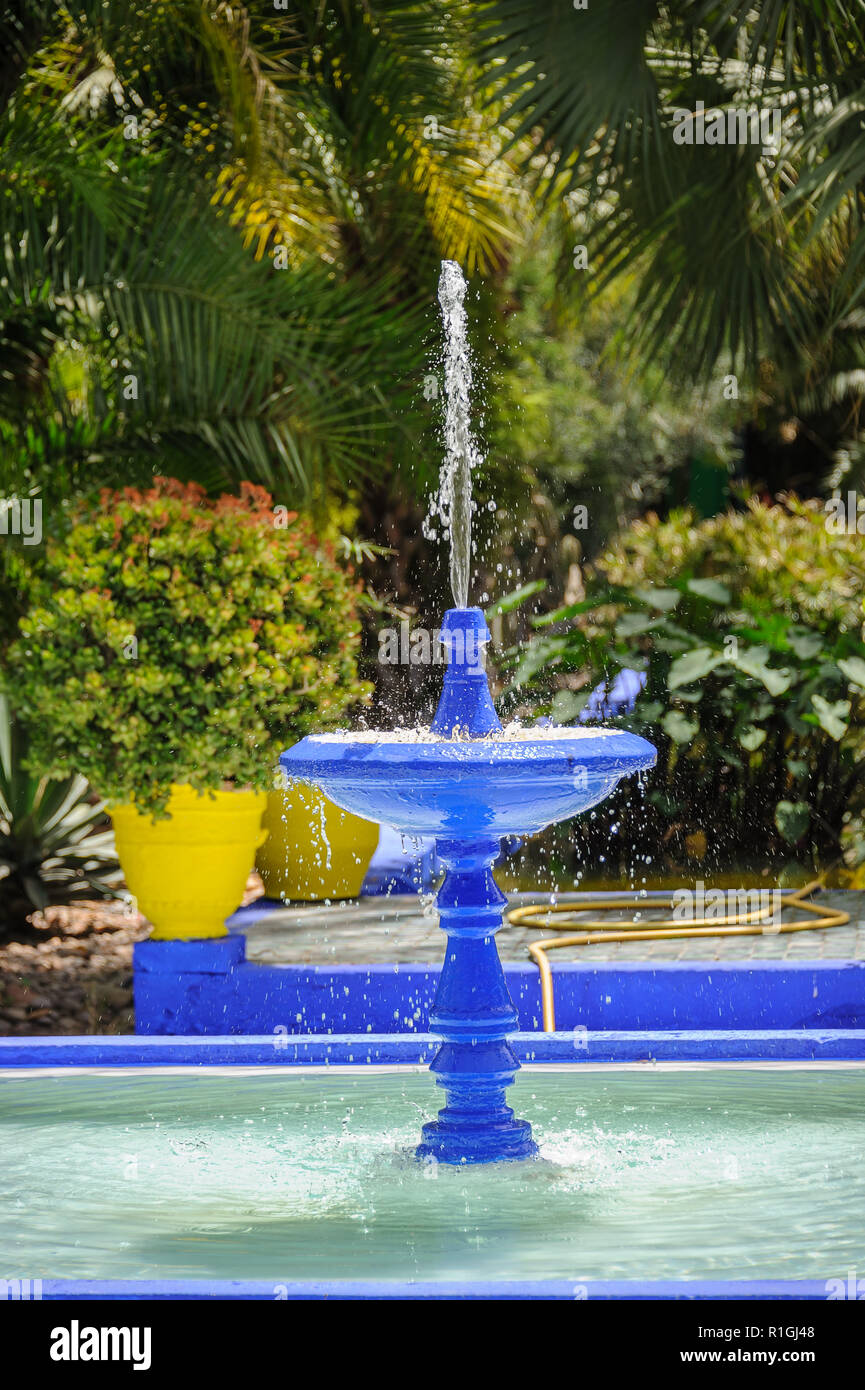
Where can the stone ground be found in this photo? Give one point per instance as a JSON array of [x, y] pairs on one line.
[[397, 929], [77, 976]]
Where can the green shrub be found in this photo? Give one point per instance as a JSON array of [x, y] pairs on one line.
[[749, 629], [174, 639]]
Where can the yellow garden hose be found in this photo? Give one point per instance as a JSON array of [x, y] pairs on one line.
[[600, 930]]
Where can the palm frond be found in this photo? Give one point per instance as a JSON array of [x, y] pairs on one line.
[[724, 239]]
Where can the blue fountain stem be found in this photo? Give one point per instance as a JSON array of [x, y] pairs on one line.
[[466, 705], [474, 1015]]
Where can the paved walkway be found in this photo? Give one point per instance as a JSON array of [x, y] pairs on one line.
[[376, 930]]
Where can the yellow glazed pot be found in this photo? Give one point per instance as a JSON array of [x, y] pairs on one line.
[[188, 873], [313, 849]]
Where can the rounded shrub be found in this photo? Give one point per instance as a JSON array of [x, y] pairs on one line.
[[171, 638]]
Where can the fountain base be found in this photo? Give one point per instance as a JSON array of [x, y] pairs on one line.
[[474, 1015], [504, 1141]]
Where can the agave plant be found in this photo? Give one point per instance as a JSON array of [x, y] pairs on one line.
[[51, 848]]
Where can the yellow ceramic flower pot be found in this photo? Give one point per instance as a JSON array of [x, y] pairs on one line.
[[313, 849], [188, 873]]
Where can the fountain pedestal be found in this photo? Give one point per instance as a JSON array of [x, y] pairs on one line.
[[474, 1016]]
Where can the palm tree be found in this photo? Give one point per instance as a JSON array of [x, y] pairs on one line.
[[218, 229], [753, 249]]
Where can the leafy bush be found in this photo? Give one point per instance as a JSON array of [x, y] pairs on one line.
[[51, 847], [749, 629], [170, 638]]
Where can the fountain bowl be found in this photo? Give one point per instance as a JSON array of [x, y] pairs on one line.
[[494, 785]]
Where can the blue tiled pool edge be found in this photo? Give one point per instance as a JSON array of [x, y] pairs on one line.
[[559, 1290], [413, 1049], [310, 1050]]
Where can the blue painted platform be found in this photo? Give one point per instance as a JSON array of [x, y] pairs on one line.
[[209, 988]]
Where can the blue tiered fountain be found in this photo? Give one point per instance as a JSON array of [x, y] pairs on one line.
[[468, 782]]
